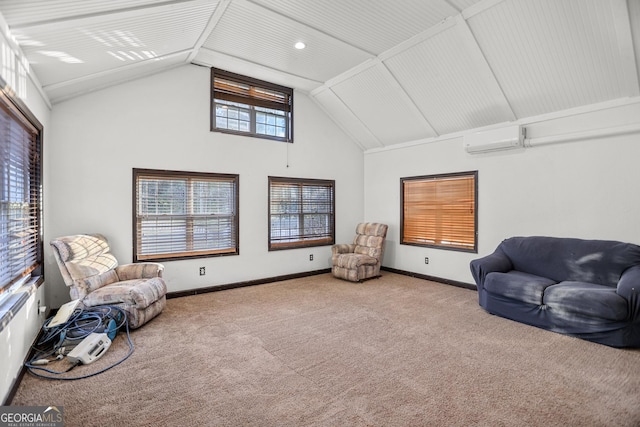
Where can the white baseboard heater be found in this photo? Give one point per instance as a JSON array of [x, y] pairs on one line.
[[504, 138]]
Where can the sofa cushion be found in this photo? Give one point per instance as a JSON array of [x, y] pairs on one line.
[[586, 299], [518, 286], [591, 261]]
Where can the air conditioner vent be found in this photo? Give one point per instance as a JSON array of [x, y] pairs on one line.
[[505, 138]]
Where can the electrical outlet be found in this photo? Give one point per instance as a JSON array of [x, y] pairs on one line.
[[202, 271], [426, 260], [310, 257]]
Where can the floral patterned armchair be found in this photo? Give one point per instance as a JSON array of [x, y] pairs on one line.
[[94, 276], [360, 260]]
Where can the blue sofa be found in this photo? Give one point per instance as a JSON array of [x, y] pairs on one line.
[[589, 289]]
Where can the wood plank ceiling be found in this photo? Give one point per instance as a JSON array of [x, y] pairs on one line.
[[386, 72]]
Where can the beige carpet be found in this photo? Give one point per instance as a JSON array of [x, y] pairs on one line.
[[318, 351]]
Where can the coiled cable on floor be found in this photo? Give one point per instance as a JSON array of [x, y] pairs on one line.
[[83, 322]]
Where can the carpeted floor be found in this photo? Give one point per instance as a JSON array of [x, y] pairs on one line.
[[318, 351]]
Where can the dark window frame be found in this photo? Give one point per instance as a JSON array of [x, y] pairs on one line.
[[189, 216], [305, 241], [18, 113], [286, 105], [459, 246]]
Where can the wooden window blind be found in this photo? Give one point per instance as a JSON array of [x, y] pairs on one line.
[[440, 211], [251, 107], [301, 212], [21, 194], [184, 214]]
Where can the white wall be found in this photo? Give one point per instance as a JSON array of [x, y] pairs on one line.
[[585, 189], [162, 122]]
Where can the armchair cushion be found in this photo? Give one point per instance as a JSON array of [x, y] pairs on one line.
[[143, 270], [86, 285], [135, 292], [354, 261]]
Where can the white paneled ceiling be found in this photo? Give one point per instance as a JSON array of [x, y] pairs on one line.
[[386, 72], [551, 55]]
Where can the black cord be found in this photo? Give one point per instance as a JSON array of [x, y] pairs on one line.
[[80, 325]]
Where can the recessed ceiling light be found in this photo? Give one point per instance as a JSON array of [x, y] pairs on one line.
[[300, 45]]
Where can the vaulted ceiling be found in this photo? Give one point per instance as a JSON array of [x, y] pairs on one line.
[[387, 72]]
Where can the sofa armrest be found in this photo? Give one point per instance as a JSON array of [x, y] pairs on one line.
[[342, 249], [629, 289], [496, 262], [142, 270]]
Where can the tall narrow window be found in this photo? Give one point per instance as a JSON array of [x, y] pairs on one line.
[[301, 212], [21, 194], [184, 214], [440, 211], [246, 106]]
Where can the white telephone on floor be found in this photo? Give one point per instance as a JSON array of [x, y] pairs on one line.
[[90, 349]]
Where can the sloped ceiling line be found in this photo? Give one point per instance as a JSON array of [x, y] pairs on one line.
[[357, 117], [89, 19], [418, 39], [217, 14], [407, 96], [483, 63], [327, 88], [479, 7], [111, 71], [315, 28], [208, 57], [340, 120]]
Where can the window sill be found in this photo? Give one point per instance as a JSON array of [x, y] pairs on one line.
[[17, 298]]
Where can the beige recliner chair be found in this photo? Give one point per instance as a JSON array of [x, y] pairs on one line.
[[360, 260], [94, 276]]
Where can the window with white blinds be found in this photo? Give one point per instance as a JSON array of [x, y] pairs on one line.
[[301, 212], [247, 106], [21, 197], [440, 211], [184, 214]]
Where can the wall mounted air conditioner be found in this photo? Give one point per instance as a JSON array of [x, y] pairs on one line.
[[504, 138]]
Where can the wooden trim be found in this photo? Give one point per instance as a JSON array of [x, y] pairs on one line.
[[247, 283], [431, 278]]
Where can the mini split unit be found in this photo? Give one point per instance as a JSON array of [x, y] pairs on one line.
[[504, 138]]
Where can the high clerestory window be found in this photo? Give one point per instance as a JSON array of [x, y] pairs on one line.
[[184, 214], [440, 211], [246, 106]]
